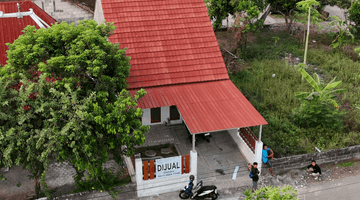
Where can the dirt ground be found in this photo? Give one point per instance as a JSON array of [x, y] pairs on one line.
[[338, 171], [299, 178]]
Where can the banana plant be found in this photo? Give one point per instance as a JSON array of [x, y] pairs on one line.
[[320, 91], [344, 31], [357, 50]]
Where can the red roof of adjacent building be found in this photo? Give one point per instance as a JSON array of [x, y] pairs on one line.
[[175, 57], [11, 27], [169, 41], [205, 107]]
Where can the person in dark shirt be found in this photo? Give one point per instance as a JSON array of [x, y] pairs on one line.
[[314, 169], [255, 173]]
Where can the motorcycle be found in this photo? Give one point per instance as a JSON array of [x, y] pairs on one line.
[[205, 136], [200, 192]]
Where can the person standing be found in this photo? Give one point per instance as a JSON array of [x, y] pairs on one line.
[[267, 155], [314, 169], [255, 176]]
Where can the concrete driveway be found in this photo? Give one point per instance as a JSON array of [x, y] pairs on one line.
[[221, 153]]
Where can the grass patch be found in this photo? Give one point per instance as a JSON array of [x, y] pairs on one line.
[[347, 164], [274, 98], [264, 47]]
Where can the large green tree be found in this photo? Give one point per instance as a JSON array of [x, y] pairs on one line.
[[65, 98]]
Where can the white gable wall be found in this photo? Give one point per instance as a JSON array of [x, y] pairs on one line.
[[165, 113], [99, 14]]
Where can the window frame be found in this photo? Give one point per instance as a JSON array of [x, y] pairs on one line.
[[152, 114], [171, 113]]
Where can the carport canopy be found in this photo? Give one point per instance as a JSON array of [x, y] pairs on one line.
[[206, 106]]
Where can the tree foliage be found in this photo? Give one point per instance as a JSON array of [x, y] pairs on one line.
[[354, 14], [219, 10], [246, 20], [65, 97]]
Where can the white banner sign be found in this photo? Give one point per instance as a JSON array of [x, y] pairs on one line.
[[168, 167]]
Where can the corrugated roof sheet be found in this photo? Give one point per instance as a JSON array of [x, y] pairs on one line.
[[205, 107], [169, 41], [11, 27]]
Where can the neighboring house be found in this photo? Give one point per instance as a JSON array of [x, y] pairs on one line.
[[175, 57], [11, 27], [65, 10]]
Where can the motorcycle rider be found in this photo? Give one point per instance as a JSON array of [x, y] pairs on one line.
[[191, 184]]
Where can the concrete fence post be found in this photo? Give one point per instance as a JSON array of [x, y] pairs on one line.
[[258, 154], [130, 168], [139, 173], [129, 165], [193, 164]]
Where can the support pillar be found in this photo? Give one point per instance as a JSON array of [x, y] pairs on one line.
[[260, 133], [258, 154], [193, 142]]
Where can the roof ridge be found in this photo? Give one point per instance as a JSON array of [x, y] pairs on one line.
[[179, 60], [179, 72], [171, 19], [176, 84], [173, 50], [181, 65], [167, 39]]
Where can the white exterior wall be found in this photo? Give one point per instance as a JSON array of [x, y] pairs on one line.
[[64, 11], [244, 149], [165, 113], [99, 14], [163, 185]]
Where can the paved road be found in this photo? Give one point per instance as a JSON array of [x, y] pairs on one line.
[[347, 188]]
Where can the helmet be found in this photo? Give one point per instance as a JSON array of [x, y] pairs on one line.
[[192, 177]]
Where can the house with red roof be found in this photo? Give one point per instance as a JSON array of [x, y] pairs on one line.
[[14, 17], [176, 58]]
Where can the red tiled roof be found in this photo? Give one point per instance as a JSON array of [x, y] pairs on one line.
[[11, 27], [169, 41], [176, 58], [205, 107]]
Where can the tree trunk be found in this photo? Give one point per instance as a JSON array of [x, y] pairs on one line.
[[307, 37], [266, 13], [286, 22], [37, 186]]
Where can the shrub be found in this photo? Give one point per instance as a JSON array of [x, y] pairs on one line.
[[318, 113], [354, 14]]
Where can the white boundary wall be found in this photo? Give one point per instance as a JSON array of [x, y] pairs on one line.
[[245, 150], [163, 185]]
